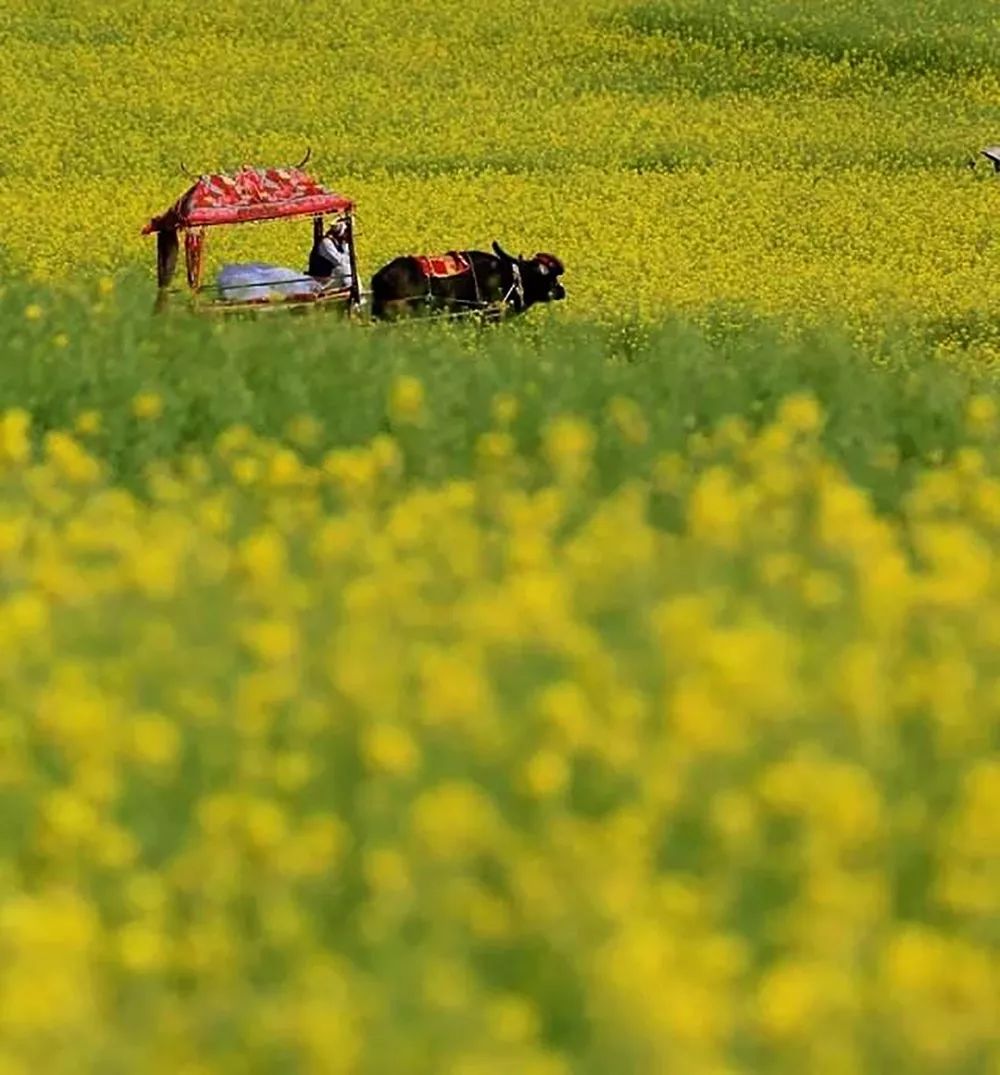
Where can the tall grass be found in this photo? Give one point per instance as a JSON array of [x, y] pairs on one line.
[[85, 352]]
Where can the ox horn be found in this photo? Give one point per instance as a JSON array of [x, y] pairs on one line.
[[501, 253], [305, 160]]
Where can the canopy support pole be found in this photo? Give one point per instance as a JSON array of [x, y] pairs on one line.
[[193, 245], [355, 282]]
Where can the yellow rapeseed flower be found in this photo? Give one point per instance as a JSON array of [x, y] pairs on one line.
[[142, 948], [567, 445], [15, 443], [406, 401], [546, 774], [800, 413], [981, 413], [147, 406], [390, 749], [454, 819], [504, 408], [88, 423], [155, 740]]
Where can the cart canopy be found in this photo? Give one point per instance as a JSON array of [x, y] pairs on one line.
[[249, 194]]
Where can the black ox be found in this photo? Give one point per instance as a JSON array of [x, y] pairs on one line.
[[511, 285]]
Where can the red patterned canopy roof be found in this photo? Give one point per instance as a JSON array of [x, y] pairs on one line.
[[250, 194]]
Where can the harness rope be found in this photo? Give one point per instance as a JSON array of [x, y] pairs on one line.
[[475, 279], [458, 258], [516, 289]]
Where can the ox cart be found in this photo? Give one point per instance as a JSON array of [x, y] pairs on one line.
[[459, 284]]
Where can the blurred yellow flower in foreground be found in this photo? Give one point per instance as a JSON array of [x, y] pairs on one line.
[[298, 743], [147, 405]]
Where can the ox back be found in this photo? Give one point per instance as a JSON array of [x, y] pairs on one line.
[[458, 281]]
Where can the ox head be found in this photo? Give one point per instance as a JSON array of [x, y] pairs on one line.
[[539, 275]]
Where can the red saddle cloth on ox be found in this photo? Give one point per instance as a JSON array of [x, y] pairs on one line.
[[437, 265]]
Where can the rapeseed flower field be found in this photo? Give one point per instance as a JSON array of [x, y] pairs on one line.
[[615, 691], [673, 153]]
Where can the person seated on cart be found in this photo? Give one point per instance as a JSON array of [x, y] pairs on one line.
[[330, 258]]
